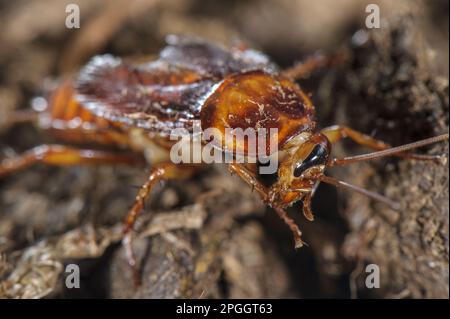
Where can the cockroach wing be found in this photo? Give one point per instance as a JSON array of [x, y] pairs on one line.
[[155, 96], [166, 93], [213, 60]]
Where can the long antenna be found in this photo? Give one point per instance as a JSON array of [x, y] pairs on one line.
[[389, 202], [388, 152]]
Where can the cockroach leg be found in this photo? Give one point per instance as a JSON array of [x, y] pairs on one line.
[[292, 225], [160, 172], [60, 155], [304, 69], [338, 132], [307, 212], [251, 179]]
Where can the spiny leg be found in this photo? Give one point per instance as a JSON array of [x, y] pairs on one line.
[[307, 212], [160, 172], [60, 155], [338, 132], [298, 242], [304, 69], [250, 178]]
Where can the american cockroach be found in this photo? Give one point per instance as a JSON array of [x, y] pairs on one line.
[[136, 106]]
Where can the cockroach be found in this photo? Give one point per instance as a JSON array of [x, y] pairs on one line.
[[135, 107]]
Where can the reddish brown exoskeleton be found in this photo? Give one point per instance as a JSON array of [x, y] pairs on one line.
[[136, 107]]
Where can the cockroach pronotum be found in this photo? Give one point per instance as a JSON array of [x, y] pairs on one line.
[[136, 106]]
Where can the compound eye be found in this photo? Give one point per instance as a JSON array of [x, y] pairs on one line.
[[318, 156]]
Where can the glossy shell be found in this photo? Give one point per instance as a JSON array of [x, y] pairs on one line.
[[166, 93], [195, 80], [256, 100]]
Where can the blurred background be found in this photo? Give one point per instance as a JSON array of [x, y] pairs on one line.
[[395, 86]]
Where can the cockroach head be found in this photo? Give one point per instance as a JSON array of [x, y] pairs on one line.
[[304, 161]]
